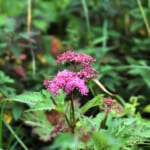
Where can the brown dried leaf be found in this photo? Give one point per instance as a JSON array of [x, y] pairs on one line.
[[20, 71]]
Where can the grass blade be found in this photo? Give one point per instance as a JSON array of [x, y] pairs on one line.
[[12, 137], [144, 16], [1, 123], [15, 135], [85, 8]]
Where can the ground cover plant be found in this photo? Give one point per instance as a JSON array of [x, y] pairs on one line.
[[74, 75]]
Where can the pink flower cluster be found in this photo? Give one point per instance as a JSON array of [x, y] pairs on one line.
[[87, 73], [67, 81], [112, 105], [86, 61], [73, 57]]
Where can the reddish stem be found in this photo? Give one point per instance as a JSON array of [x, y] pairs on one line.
[[72, 116], [67, 121], [53, 100]]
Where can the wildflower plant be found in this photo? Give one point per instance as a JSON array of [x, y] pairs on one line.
[[61, 117], [69, 81]]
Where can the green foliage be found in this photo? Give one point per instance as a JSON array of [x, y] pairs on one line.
[[96, 101], [38, 121], [64, 141], [31, 98], [123, 132], [115, 33], [17, 110], [147, 109], [16, 136], [102, 140], [41, 101], [5, 82]]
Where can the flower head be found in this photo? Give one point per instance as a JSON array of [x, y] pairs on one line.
[[74, 57], [87, 73], [112, 105], [67, 81]]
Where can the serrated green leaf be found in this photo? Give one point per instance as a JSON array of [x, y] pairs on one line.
[[42, 106], [30, 98], [64, 141], [104, 140]]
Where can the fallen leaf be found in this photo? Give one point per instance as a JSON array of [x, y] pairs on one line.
[[20, 71], [56, 46]]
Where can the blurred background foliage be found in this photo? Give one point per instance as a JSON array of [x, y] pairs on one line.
[[116, 32]]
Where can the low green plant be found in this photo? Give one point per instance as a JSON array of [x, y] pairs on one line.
[[57, 114]]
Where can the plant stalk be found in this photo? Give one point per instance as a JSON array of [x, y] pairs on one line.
[[72, 115], [53, 100], [29, 36], [144, 17], [67, 121]]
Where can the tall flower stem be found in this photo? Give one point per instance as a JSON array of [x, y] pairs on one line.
[[54, 102], [72, 115], [67, 121]]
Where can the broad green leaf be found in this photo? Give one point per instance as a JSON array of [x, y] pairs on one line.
[[99, 40], [15, 50], [96, 101], [17, 110], [4, 78], [40, 24], [6, 90], [2, 19], [147, 109]]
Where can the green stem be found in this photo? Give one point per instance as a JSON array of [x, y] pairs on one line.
[[85, 8], [29, 35], [1, 123], [144, 17], [104, 44], [102, 125]]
